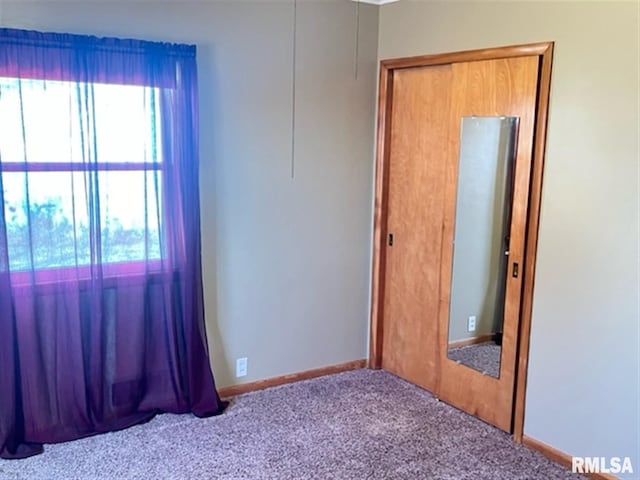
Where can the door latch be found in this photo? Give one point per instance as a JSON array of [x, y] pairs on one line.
[[390, 240], [516, 270]]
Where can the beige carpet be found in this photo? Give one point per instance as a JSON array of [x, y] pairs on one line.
[[356, 425], [484, 357]]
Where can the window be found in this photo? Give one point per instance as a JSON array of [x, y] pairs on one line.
[[81, 170], [100, 272]]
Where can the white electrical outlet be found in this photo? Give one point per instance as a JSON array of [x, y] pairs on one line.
[[471, 323], [241, 367]]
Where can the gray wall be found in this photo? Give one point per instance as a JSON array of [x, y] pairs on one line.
[[286, 262], [582, 394]]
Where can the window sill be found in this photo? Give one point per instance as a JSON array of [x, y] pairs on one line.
[[107, 274]]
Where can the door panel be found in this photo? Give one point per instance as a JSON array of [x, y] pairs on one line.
[[489, 88], [419, 138], [427, 105]]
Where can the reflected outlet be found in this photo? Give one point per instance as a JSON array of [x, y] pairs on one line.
[[471, 323], [241, 367]]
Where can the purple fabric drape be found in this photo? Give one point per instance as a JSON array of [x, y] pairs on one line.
[[101, 303]]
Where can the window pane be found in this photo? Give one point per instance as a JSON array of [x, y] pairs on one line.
[[55, 215], [75, 122], [130, 210]]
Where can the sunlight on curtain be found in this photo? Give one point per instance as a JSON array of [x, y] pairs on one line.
[[101, 302], [69, 133]]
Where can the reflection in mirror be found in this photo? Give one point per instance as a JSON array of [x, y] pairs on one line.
[[481, 241]]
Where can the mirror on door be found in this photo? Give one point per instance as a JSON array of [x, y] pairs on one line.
[[481, 241]]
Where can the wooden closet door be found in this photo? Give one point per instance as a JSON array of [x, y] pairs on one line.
[[419, 137], [427, 106], [489, 88]]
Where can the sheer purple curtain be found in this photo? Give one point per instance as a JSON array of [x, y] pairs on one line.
[[101, 308]]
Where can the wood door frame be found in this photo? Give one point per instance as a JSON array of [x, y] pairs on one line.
[[544, 52]]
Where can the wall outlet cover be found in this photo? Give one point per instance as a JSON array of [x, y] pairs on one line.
[[241, 367], [471, 324]]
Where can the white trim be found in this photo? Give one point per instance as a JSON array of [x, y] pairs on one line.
[[375, 2]]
